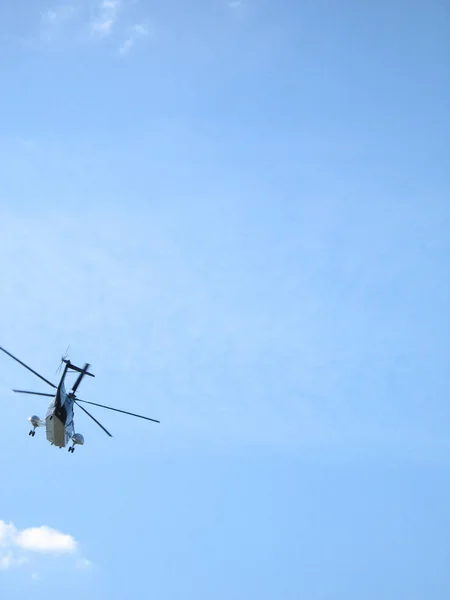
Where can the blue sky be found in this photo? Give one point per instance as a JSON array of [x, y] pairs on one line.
[[238, 213]]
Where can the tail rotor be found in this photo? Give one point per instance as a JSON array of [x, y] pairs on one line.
[[63, 360]]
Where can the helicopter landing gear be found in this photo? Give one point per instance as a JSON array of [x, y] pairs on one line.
[[32, 433]]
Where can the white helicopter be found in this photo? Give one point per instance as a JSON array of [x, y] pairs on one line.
[[58, 422]]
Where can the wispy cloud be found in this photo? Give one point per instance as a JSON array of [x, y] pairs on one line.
[[85, 21], [58, 14], [107, 17], [137, 32], [83, 564], [53, 19], [9, 561], [238, 8], [17, 546]]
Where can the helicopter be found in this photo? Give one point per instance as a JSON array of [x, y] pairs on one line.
[[59, 419]]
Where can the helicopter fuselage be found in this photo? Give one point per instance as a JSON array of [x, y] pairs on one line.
[[59, 424]]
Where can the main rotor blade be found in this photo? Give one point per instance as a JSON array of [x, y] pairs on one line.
[[93, 418], [118, 410], [80, 377], [29, 368], [34, 393]]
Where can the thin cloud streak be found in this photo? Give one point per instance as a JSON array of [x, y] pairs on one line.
[[137, 32]]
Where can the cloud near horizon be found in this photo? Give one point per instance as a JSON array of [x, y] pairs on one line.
[[17, 545]]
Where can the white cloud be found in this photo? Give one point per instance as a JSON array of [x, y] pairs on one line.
[[104, 23], [17, 546], [137, 31], [45, 539]]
